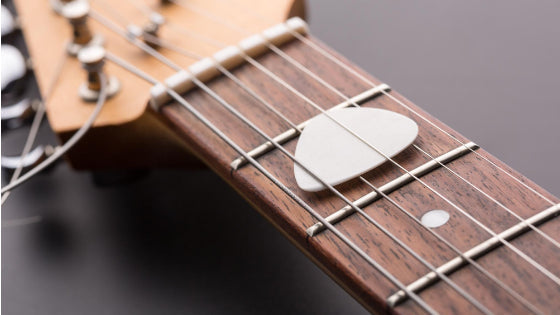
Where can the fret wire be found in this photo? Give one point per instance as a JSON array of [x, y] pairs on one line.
[[530, 260], [37, 120], [519, 252], [60, 151], [443, 277], [521, 219], [476, 265], [369, 82], [330, 87], [337, 61], [227, 106], [279, 184], [506, 243]]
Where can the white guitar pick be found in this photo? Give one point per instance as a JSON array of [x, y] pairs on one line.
[[335, 155]]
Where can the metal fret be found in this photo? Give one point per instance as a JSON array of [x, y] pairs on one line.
[[473, 253], [394, 185], [294, 132]]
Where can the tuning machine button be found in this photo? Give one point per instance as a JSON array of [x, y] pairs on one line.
[[15, 115], [93, 59], [14, 70], [32, 159], [8, 21], [76, 12]]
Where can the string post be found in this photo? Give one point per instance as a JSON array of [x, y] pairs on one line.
[[93, 60], [76, 12]]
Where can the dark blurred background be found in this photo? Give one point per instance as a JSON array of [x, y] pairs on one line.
[[177, 242]]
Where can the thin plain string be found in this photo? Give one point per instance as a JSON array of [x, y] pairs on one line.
[[340, 63], [269, 106], [519, 252], [476, 265], [227, 106], [485, 272], [279, 184], [37, 120], [68, 144]]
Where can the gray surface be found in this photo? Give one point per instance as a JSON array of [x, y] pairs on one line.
[[488, 70]]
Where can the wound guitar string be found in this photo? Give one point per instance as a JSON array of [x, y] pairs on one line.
[[285, 84], [68, 144], [279, 52], [279, 184], [199, 83], [276, 50], [37, 120], [227, 106], [279, 148]]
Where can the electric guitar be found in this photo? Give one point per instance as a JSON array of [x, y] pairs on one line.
[[403, 212]]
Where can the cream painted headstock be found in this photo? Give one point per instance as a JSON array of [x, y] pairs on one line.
[[127, 134]]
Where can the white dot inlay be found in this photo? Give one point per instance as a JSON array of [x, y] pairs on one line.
[[435, 218]]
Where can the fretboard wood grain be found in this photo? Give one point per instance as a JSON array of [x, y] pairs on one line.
[[347, 268]]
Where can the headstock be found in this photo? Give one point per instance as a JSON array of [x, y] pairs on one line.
[[127, 134]]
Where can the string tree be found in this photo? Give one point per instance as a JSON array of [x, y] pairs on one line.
[[148, 33], [76, 12], [92, 59], [150, 30]]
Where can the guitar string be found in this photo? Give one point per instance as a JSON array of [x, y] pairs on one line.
[[515, 295], [535, 266], [520, 253], [481, 269], [226, 105], [360, 76], [60, 151], [222, 69], [476, 265], [37, 120], [353, 103], [274, 180], [527, 258]]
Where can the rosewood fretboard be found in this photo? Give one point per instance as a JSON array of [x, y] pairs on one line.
[[347, 268]]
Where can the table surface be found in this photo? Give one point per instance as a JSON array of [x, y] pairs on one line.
[[178, 241]]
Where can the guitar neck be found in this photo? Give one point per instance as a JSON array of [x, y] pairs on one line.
[[480, 193]]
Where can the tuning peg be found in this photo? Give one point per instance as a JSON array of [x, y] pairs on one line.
[[32, 159], [14, 69], [9, 22], [93, 59], [76, 12], [15, 115]]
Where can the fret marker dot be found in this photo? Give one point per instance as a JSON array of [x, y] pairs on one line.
[[435, 218]]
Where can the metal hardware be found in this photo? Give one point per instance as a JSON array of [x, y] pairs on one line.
[[32, 159], [77, 12], [293, 133], [93, 59]]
